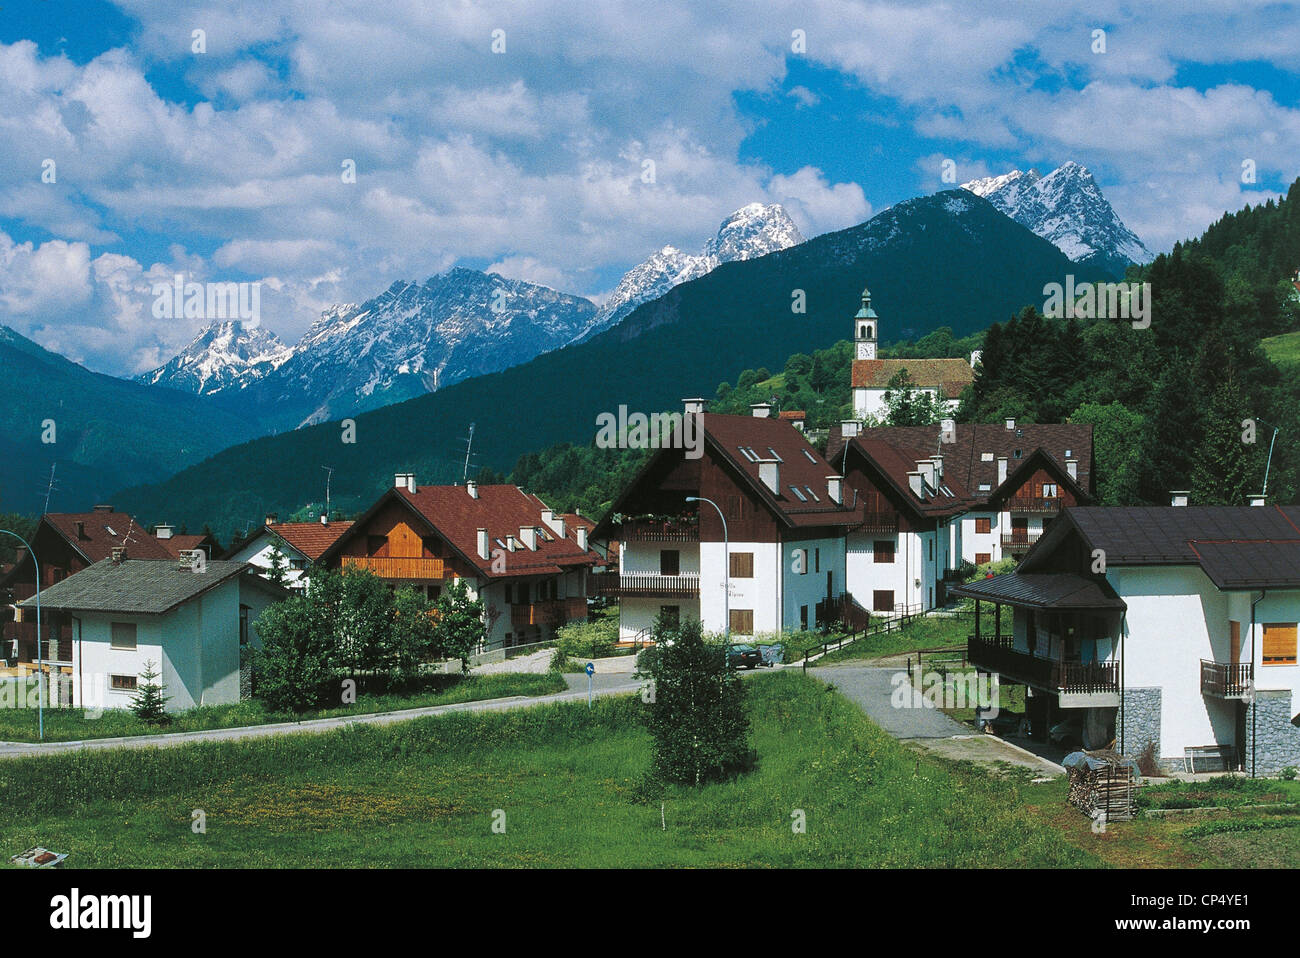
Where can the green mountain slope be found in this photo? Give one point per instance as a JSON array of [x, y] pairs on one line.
[[945, 260], [107, 432]]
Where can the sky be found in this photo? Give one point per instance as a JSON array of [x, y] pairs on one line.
[[519, 137]]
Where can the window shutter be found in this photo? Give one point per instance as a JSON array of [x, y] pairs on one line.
[[1279, 643]]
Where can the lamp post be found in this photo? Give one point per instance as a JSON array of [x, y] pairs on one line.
[[40, 698], [726, 580]]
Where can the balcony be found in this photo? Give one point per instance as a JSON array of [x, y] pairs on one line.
[[883, 522], [552, 613], [1018, 544], [1224, 681], [1076, 684], [642, 584], [1031, 504], [397, 567], [682, 529]]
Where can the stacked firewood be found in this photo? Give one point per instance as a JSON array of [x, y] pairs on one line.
[[1109, 790]]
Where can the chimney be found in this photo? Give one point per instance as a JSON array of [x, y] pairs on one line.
[[528, 536], [693, 407], [404, 480], [835, 489], [482, 544], [1072, 467], [849, 428], [162, 532], [938, 467], [1257, 500], [975, 357], [103, 508], [1011, 423], [324, 519], [1178, 497], [582, 538], [761, 410], [1002, 466], [119, 553], [81, 530], [769, 473], [915, 483], [471, 487], [271, 518]]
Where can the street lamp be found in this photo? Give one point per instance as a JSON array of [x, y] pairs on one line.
[[40, 699], [726, 580]]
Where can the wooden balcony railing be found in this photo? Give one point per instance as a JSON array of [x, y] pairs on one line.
[[1226, 681], [397, 567], [642, 584], [1031, 504], [1019, 543], [553, 612], [995, 654], [885, 522], [685, 529]]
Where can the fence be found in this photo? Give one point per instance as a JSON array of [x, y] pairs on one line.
[[899, 621]]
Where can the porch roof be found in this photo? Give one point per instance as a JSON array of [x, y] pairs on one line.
[[1062, 591]]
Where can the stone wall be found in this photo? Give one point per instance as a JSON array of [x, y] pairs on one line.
[[1140, 718], [1274, 741]]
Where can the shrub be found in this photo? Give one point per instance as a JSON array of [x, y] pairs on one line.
[[697, 717], [1289, 773], [1148, 762], [148, 703], [596, 638]]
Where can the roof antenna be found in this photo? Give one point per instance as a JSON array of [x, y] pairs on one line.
[[469, 444], [329, 474], [1269, 463], [50, 487]]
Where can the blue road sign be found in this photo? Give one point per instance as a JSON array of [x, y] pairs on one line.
[[591, 668]]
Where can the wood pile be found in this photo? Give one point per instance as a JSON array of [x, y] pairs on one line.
[[1103, 785]]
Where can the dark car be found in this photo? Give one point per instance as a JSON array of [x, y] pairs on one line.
[[773, 655], [744, 657]]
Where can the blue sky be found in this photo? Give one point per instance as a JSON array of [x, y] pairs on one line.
[[225, 164]]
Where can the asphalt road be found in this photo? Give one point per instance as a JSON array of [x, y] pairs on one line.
[[872, 690]]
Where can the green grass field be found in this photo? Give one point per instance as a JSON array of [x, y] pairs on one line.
[[931, 632], [1283, 350], [66, 725], [563, 779]]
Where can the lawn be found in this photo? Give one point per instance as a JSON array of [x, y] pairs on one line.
[[930, 632], [565, 781], [66, 725], [1283, 350]]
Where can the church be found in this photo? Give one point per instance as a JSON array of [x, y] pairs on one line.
[[944, 378]]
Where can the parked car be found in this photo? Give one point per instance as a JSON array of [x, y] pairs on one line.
[[1067, 734], [744, 657], [773, 654]]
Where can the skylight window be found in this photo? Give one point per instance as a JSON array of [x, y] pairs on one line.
[[774, 454], [985, 487], [986, 457], [798, 495], [809, 456], [808, 489], [1018, 453], [748, 453]]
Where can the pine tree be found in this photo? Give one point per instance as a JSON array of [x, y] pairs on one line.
[[148, 703]]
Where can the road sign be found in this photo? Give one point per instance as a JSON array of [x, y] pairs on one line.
[[591, 668]]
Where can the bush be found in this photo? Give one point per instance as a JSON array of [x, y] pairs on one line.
[[1289, 773], [697, 714], [597, 638], [148, 703]]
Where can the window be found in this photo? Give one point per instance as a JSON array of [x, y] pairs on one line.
[[986, 457], [298, 564], [1279, 643], [243, 625], [882, 600], [883, 551], [817, 560], [808, 489], [123, 636], [521, 594], [803, 617], [775, 455], [809, 456], [985, 487], [983, 558], [983, 526], [1050, 491], [123, 683], [931, 541], [742, 565], [735, 507], [670, 562], [1018, 453], [798, 495], [742, 621]]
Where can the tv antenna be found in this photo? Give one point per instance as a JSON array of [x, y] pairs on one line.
[[329, 474], [1269, 463], [49, 488], [469, 445]]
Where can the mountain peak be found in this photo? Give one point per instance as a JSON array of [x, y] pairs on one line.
[[225, 354]]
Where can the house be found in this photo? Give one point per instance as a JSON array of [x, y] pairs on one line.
[[176, 543], [941, 378], [300, 545], [1015, 477], [747, 536], [901, 555], [527, 564], [189, 619], [65, 544], [1172, 626]]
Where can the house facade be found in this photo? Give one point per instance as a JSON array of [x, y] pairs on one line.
[[527, 564], [782, 553], [190, 620], [1170, 627], [300, 545]]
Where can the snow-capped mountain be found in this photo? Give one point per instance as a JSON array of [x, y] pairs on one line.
[[1066, 208], [752, 231], [413, 339], [224, 356]]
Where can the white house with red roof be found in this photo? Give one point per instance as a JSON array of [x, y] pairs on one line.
[[747, 537], [300, 544], [527, 564]]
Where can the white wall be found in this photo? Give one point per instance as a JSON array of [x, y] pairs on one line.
[[871, 402], [911, 562], [258, 552]]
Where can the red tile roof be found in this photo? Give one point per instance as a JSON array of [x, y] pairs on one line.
[[310, 538], [792, 415], [178, 543], [100, 533], [950, 376]]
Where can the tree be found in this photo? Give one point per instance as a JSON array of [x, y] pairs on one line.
[[1227, 469], [413, 638], [906, 405], [278, 570], [148, 703], [1116, 456], [697, 714], [293, 664], [459, 629]]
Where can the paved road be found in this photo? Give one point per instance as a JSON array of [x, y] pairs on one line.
[[604, 685], [872, 688]]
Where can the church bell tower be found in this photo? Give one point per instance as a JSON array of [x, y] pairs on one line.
[[864, 329]]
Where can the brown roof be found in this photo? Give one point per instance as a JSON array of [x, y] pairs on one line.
[[96, 534], [894, 462], [176, 544], [577, 519], [502, 510], [951, 376], [310, 538], [792, 414]]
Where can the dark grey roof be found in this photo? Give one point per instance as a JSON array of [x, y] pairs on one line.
[[134, 586], [1251, 565], [1151, 535], [1044, 590]]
